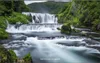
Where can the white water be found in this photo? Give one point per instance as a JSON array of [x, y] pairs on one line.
[[33, 28], [42, 17], [41, 23], [48, 50]]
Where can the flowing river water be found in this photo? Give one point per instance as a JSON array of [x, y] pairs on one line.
[[46, 44]]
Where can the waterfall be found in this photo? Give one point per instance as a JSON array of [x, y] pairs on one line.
[[41, 22], [42, 18], [46, 44], [32, 28]]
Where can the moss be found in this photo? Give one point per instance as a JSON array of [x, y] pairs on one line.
[[2, 22], [5, 56], [3, 34], [96, 24], [28, 58], [3, 25], [17, 17], [13, 55], [66, 29], [8, 56]]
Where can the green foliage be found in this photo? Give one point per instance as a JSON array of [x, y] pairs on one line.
[[19, 6], [96, 24], [3, 34], [13, 55], [3, 25], [27, 58], [13, 19], [81, 13], [8, 56], [2, 9], [49, 7], [17, 17], [8, 7], [75, 21], [64, 14], [9, 11], [5, 56], [2, 22], [66, 28]]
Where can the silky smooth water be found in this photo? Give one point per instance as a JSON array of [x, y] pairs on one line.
[[47, 45]]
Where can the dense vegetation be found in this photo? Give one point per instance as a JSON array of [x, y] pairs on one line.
[[81, 14], [11, 11], [46, 7], [8, 56], [17, 17], [28, 58], [84, 13], [7, 7]]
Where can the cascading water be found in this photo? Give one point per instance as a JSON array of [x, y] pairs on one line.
[[33, 28], [40, 23], [47, 45], [42, 18]]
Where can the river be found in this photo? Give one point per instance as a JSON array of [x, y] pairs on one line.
[[46, 44]]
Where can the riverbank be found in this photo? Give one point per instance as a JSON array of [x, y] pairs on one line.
[[82, 31], [9, 56], [15, 18]]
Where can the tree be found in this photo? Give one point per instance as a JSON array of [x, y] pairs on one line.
[[83, 12]]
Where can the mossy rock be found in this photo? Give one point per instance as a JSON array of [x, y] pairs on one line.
[[5, 56], [66, 29]]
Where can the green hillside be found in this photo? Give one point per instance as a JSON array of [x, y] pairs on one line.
[[47, 7], [81, 14]]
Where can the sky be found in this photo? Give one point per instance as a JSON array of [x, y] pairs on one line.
[[35, 1]]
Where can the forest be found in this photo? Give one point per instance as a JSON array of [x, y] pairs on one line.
[[11, 11], [47, 7], [82, 14]]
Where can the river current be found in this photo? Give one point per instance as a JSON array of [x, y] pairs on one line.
[[46, 44]]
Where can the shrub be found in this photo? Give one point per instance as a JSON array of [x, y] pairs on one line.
[[28, 58], [5, 56], [18, 17], [3, 34], [13, 55], [95, 25], [2, 22], [66, 29]]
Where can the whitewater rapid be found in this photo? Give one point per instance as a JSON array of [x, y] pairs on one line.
[[46, 44]]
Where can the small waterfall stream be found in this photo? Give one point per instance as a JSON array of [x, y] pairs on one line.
[[47, 45], [42, 17]]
